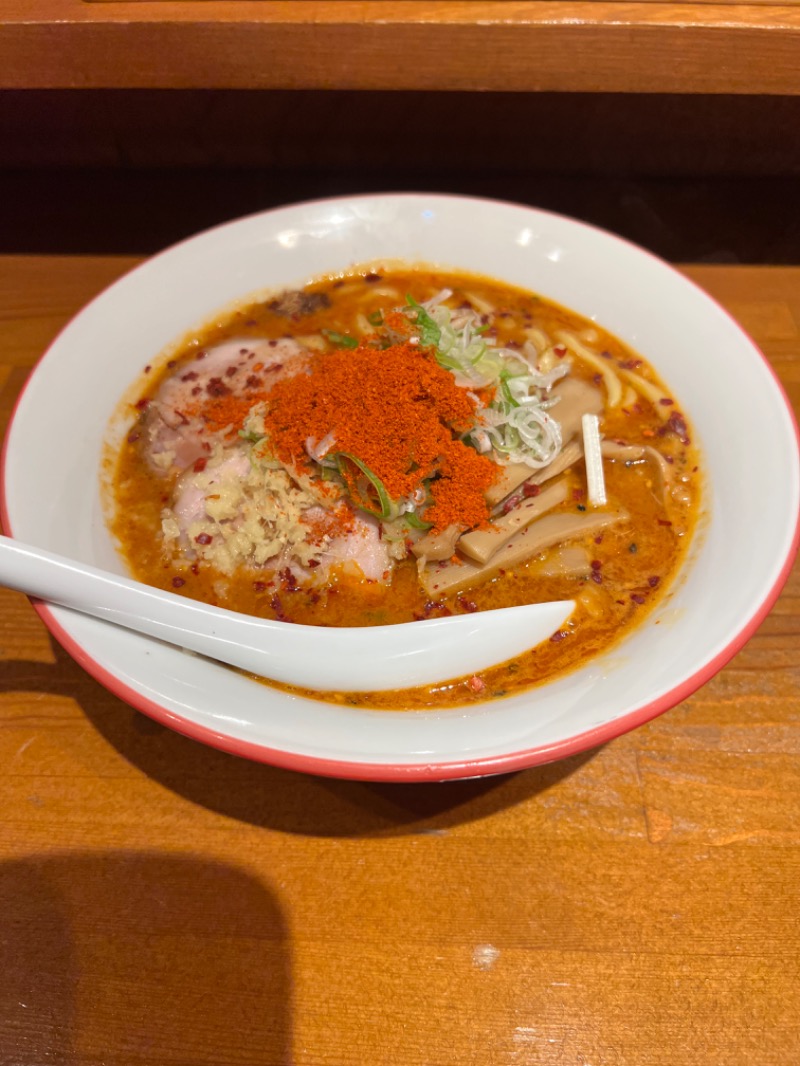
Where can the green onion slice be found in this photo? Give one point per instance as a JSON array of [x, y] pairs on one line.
[[342, 339], [382, 507], [505, 375], [416, 522], [430, 332]]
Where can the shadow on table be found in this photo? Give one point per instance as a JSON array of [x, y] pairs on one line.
[[281, 799], [132, 957]]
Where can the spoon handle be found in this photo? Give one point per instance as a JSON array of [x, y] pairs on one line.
[[314, 657]]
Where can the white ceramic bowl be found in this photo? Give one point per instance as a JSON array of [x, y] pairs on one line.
[[741, 419]]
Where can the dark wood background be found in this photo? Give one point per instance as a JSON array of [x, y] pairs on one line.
[[694, 178]]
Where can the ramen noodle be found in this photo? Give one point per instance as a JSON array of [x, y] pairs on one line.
[[399, 443]]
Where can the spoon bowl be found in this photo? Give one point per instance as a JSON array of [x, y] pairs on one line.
[[312, 657]]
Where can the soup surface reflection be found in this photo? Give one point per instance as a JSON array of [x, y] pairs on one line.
[[399, 443]]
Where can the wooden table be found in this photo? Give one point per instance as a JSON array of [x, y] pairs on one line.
[[649, 46], [162, 904]]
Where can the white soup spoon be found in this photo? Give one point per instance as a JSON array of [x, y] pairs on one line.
[[314, 657]]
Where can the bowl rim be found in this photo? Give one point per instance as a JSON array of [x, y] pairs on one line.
[[411, 771], [399, 772]]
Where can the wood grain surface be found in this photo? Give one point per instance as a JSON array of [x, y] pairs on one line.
[[527, 45], [163, 904]]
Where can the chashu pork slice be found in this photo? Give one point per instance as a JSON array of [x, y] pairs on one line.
[[176, 435]]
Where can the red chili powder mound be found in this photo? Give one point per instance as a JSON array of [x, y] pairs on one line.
[[399, 412]]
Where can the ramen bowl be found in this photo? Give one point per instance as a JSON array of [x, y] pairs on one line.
[[737, 563]]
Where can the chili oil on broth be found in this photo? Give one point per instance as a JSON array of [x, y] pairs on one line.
[[632, 563]]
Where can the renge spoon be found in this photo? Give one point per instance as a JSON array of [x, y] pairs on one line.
[[314, 657]]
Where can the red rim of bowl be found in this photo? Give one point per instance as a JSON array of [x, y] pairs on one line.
[[459, 769]]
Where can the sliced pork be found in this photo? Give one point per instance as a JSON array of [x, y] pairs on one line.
[[177, 434]]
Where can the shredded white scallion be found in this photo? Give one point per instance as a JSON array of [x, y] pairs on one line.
[[515, 424]]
